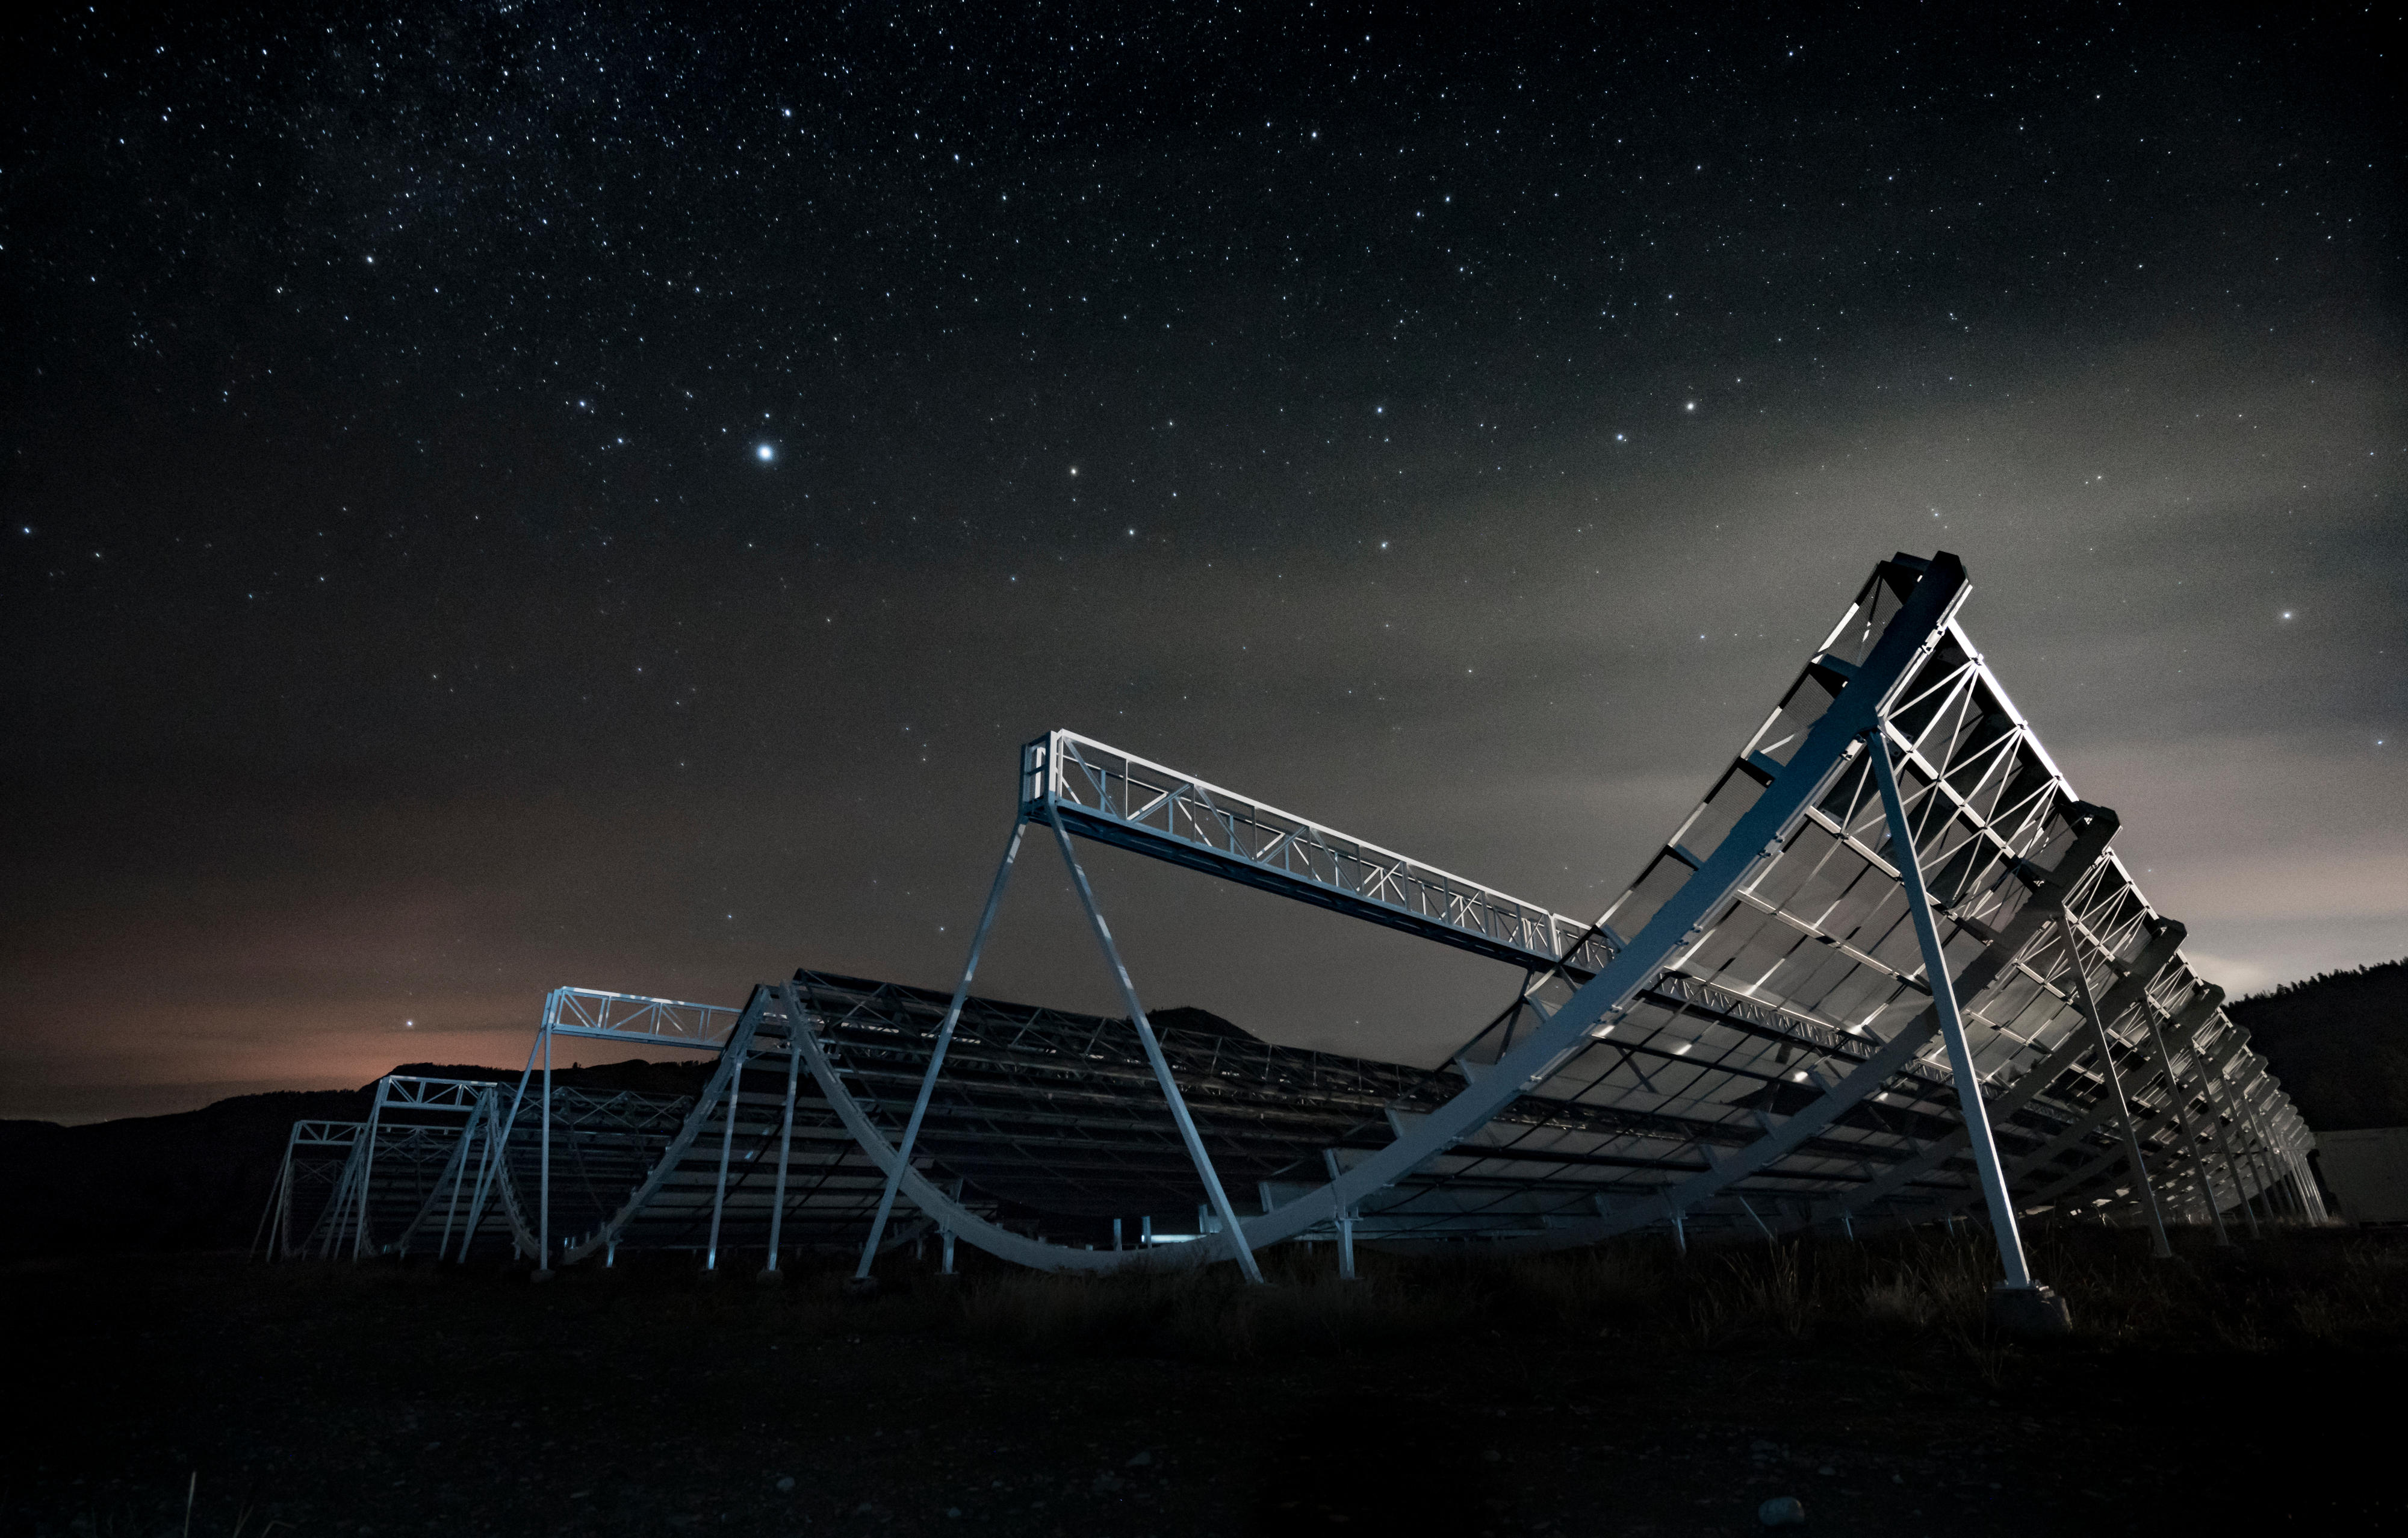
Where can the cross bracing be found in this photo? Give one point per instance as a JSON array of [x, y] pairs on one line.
[[316, 1154], [1100, 792], [1889, 968], [453, 1167], [372, 1187]]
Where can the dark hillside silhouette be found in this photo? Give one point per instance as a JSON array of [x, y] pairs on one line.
[[198, 1180], [2339, 1041], [195, 1180]]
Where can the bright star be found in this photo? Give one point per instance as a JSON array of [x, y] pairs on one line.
[[765, 453]]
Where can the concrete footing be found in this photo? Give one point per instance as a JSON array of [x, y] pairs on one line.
[[2032, 1311]]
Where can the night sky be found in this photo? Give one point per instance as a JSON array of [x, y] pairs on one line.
[[506, 495]]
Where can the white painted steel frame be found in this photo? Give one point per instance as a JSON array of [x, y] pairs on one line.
[[276, 1238], [2014, 940], [1101, 791], [937, 1055], [711, 1124], [1755, 839], [1214, 1192], [1795, 767], [1952, 1026], [413, 1119]]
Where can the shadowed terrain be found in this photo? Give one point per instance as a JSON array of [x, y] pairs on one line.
[[2339, 1041], [1620, 1389], [199, 1180]]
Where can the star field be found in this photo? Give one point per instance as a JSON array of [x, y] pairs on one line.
[[512, 496]]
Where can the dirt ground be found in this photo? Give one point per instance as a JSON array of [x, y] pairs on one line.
[[314, 1398]]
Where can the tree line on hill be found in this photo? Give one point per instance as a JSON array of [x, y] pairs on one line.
[[2339, 1041]]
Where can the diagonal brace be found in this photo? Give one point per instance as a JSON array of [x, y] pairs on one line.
[[1239, 1245], [1952, 1026], [936, 1053]]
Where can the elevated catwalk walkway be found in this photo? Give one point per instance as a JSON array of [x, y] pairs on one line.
[[1889, 969]]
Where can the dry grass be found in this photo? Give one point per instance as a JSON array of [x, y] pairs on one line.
[[2293, 1288], [298, 1388], [1206, 1313]]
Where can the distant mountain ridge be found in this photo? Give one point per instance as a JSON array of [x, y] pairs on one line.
[[199, 1179], [2339, 1041]]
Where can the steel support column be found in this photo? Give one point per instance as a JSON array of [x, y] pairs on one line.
[[477, 1193], [2113, 1085], [1952, 1027], [785, 1147], [944, 1041], [2094, 826], [367, 1165], [2285, 1170], [1239, 1247], [2173, 1116], [498, 1151], [726, 1148], [2224, 1143], [460, 1174], [283, 1224], [1927, 595], [2178, 1106], [732, 1054], [1345, 1221]]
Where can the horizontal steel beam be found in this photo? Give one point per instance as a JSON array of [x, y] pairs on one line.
[[1102, 793], [637, 1017]]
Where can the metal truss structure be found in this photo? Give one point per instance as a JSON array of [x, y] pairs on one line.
[[317, 1155], [350, 1189], [446, 1167], [1101, 793], [1889, 969]]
